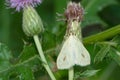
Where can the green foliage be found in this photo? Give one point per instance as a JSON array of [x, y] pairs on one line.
[[110, 49], [5, 56], [28, 52], [92, 7], [102, 53], [115, 55], [87, 73], [25, 66], [21, 60]]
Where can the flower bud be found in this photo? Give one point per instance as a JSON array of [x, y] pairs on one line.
[[32, 24], [74, 12]]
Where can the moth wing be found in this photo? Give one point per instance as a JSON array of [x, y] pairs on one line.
[[65, 59], [81, 54], [73, 52]]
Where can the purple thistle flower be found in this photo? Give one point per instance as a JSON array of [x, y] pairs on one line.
[[20, 4]]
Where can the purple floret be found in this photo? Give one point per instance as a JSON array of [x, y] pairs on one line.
[[20, 4]]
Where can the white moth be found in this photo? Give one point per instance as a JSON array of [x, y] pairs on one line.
[[73, 53]]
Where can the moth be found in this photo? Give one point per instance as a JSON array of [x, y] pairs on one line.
[[73, 53]]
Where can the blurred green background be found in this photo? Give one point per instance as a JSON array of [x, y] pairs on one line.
[[99, 16]]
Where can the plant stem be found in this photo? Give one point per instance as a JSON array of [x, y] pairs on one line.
[[108, 71], [71, 73], [45, 64], [102, 35]]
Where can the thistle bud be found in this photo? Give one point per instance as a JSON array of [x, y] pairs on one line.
[[32, 24]]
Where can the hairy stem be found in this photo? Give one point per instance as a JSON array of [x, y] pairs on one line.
[[102, 35], [45, 64]]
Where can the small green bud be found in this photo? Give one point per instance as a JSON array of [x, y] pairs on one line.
[[32, 24]]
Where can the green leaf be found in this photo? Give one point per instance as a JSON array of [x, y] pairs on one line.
[[24, 69], [115, 55], [102, 53], [87, 73], [92, 7], [48, 40], [5, 56], [116, 39], [28, 52], [106, 48], [25, 73]]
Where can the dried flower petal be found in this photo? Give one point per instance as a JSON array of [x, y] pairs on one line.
[[74, 11], [20, 4]]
